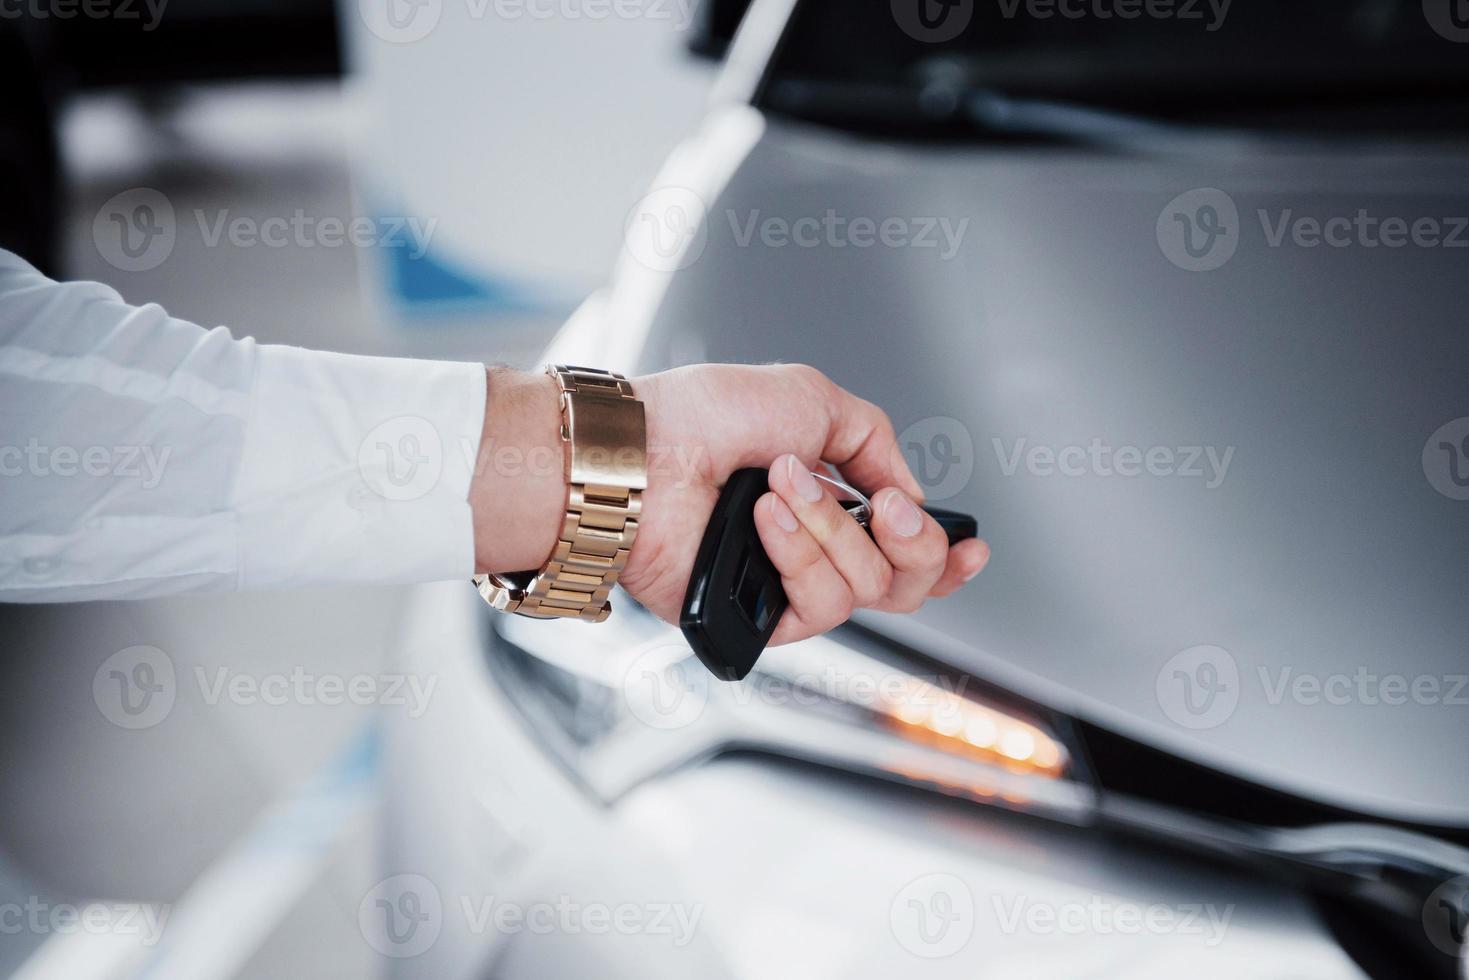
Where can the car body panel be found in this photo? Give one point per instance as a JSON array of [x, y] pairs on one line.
[[781, 869], [1317, 373]]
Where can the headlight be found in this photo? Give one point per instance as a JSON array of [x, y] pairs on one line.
[[623, 701]]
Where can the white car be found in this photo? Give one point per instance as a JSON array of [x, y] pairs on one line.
[[1184, 330]]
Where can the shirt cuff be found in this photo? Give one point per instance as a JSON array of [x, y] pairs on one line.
[[357, 470]]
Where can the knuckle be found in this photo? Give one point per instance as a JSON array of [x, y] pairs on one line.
[[809, 561], [828, 518], [840, 611], [821, 518], [885, 575], [934, 553], [833, 608], [873, 587], [807, 373], [908, 603], [797, 556], [813, 379], [882, 425]]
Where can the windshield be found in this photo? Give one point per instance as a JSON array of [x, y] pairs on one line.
[[1325, 63]]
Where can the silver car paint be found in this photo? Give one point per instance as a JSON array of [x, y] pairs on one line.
[[1313, 544]]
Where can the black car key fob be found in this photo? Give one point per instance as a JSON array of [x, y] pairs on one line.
[[735, 597]]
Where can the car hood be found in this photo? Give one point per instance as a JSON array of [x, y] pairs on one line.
[[1219, 513]]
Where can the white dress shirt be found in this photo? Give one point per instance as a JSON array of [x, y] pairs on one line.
[[141, 455]]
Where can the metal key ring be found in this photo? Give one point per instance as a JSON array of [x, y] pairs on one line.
[[862, 513]]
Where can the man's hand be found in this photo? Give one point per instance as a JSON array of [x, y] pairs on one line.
[[705, 422]]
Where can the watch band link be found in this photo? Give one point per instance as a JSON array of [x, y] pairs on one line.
[[603, 425]]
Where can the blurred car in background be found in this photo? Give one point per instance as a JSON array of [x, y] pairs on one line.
[[30, 185], [148, 48], [1213, 449], [172, 41]]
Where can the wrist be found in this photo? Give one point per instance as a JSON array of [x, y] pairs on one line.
[[519, 491]]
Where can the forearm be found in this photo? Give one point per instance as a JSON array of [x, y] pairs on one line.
[[141, 455], [518, 494]]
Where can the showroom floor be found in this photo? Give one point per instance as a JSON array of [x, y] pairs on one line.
[[178, 812]]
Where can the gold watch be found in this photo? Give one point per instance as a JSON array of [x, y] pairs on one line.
[[605, 434]]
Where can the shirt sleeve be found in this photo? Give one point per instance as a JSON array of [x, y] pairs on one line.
[[142, 455]]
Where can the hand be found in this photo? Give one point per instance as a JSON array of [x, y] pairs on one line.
[[705, 422]]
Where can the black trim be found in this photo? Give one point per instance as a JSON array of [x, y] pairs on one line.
[[1127, 767]]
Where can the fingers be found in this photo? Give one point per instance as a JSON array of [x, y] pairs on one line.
[[860, 440], [818, 595], [852, 553], [915, 546], [966, 560], [829, 565]]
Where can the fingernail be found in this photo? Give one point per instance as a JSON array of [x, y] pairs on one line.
[[782, 515], [802, 480], [901, 514]]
